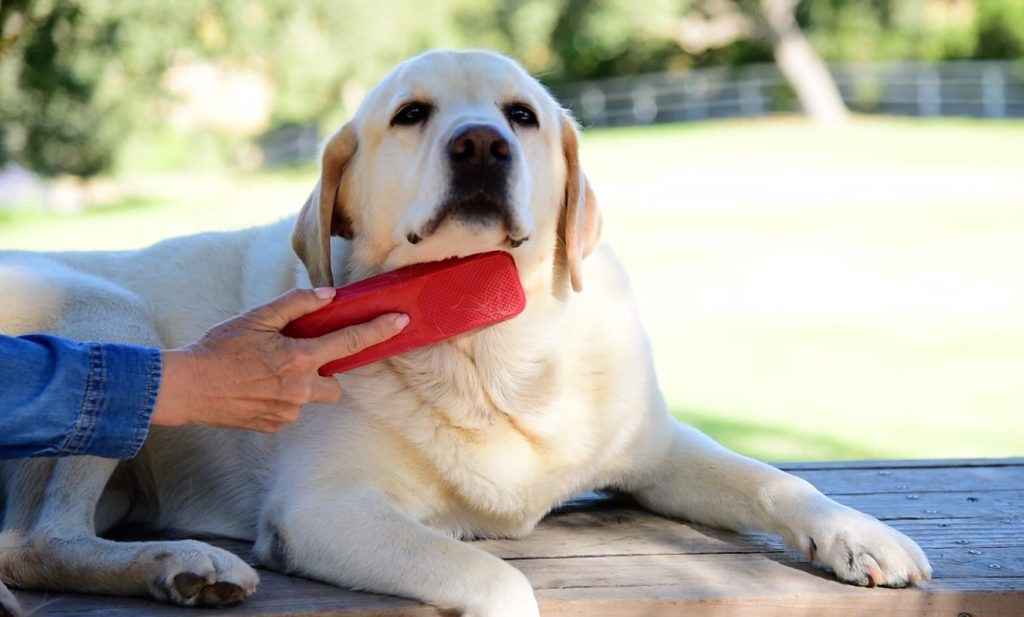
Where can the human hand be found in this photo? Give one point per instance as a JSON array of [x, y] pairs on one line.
[[243, 373]]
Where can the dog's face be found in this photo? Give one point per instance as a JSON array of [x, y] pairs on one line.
[[454, 153]]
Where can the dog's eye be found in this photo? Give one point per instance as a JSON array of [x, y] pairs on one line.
[[412, 113], [520, 114]]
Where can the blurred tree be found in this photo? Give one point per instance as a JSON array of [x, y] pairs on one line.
[[77, 77], [570, 40], [312, 50], [1000, 29], [590, 39], [55, 115], [711, 24]]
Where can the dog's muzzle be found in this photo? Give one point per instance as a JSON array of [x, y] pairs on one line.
[[481, 159]]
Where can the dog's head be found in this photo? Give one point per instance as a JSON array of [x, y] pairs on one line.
[[453, 153]]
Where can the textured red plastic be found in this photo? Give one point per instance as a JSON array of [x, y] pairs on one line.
[[442, 299]]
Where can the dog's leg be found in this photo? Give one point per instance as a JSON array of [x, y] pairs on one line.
[[360, 539], [62, 552], [683, 473], [9, 606], [24, 483]]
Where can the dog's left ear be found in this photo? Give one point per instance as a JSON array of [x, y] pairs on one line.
[[581, 220], [324, 214]]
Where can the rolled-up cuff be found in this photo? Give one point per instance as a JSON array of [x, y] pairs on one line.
[[123, 384]]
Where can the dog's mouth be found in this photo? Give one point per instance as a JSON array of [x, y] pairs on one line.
[[461, 229], [478, 213], [414, 238]]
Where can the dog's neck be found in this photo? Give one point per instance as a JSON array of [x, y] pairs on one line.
[[508, 371], [454, 400]]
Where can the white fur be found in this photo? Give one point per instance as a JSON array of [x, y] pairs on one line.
[[476, 437]]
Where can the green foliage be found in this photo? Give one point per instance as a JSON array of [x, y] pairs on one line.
[[606, 38], [78, 78], [1000, 29], [310, 50], [58, 117], [932, 30]]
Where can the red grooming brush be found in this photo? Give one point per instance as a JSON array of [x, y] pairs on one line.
[[441, 298]]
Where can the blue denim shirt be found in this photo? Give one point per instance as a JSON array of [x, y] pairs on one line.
[[59, 397]]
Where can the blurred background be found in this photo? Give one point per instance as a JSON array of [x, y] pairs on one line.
[[821, 202]]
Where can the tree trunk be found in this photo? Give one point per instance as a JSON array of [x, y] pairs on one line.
[[802, 67]]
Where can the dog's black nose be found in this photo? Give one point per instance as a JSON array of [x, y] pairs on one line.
[[479, 146]]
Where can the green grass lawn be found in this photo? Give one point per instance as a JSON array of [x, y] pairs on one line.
[[853, 293]]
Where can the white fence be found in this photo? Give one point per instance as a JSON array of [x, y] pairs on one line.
[[971, 89]]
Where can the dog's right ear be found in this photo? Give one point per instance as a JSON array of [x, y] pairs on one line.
[[324, 214]]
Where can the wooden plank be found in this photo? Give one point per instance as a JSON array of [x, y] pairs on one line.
[[605, 557], [586, 585], [666, 602], [740, 575], [955, 504], [633, 532], [954, 463], [910, 480]]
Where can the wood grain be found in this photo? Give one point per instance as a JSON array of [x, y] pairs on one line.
[[597, 556]]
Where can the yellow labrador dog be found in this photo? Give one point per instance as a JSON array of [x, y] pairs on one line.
[[453, 153]]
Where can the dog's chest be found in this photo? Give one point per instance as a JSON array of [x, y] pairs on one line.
[[492, 423]]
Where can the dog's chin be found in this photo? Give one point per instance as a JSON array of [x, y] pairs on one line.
[[451, 240]]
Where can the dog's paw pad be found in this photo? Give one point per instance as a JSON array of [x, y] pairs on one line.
[[191, 589], [188, 585], [221, 594], [191, 573]]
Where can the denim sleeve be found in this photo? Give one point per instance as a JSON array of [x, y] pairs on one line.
[[59, 397]]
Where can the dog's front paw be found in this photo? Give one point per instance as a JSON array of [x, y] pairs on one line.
[[193, 573], [861, 550]]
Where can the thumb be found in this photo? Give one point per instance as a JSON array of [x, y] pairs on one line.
[[289, 306]]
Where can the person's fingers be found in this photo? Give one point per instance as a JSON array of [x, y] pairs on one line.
[[348, 341], [268, 426], [326, 390], [289, 306]]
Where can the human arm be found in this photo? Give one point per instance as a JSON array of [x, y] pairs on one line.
[[59, 397], [254, 377]]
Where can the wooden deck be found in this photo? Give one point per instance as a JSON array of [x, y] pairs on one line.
[[601, 557]]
